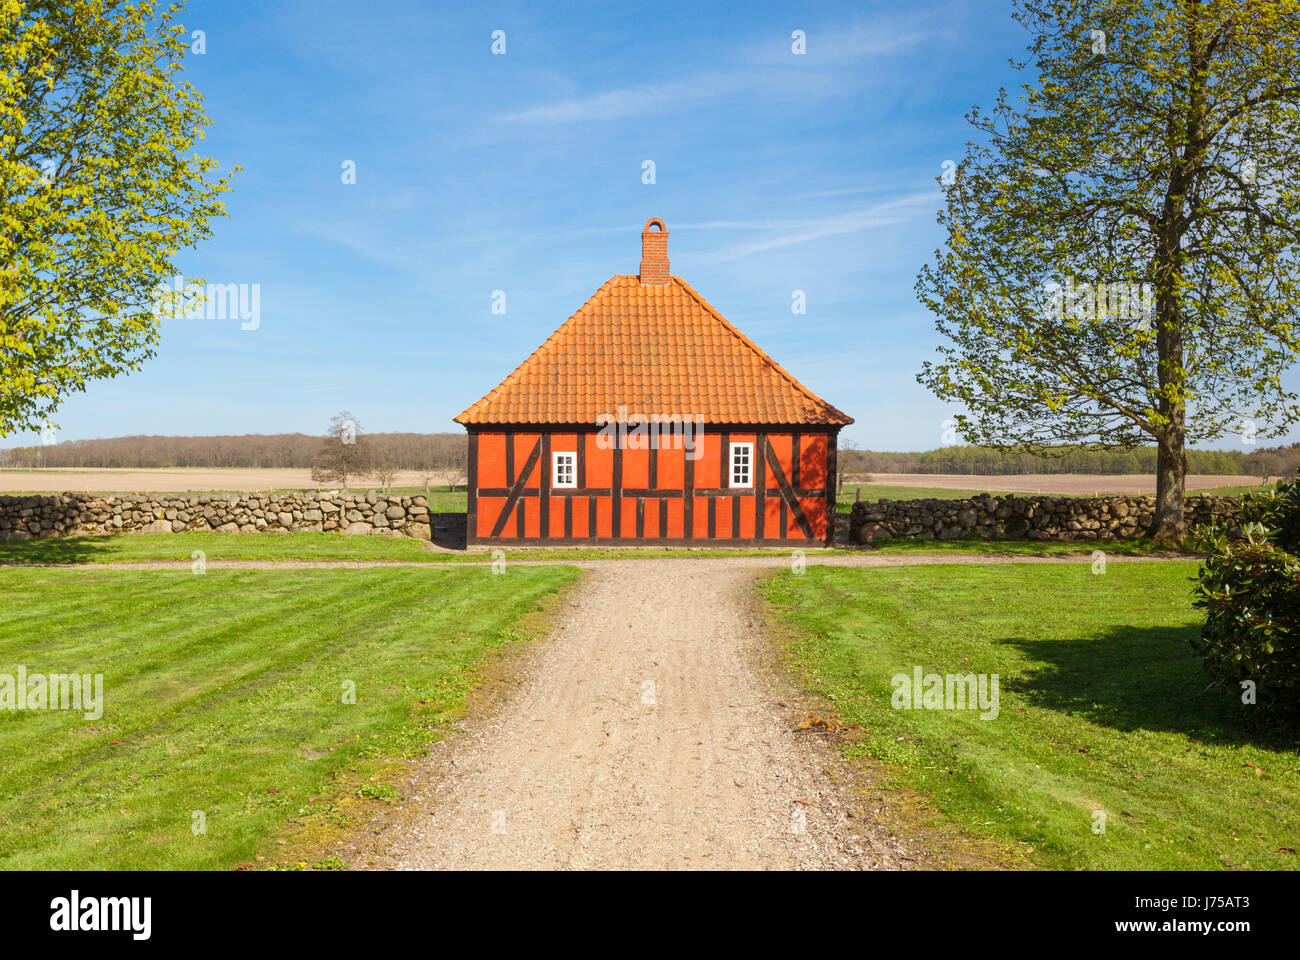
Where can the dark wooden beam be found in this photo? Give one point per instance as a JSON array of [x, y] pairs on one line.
[[544, 488], [787, 496], [516, 488], [688, 495], [832, 482], [616, 496], [471, 491]]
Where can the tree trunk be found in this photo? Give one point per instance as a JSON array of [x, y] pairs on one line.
[[1170, 527]]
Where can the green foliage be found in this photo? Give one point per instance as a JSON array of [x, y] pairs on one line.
[[1122, 261], [99, 190], [1277, 510], [1249, 589], [1161, 152]]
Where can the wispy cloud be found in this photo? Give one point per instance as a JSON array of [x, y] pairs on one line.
[[879, 38], [787, 233], [828, 47], [828, 42], [633, 101]]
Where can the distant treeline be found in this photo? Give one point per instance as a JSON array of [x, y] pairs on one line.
[[986, 461], [439, 451], [405, 451]]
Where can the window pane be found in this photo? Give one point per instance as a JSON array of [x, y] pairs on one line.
[[740, 464], [565, 468]]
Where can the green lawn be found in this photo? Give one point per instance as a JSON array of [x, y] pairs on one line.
[[224, 694], [1022, 548], [180, 547], [144, 547], [1103, 707], [1231, 491], [440, 500], [881, 491]]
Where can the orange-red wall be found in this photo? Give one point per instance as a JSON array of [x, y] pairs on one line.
[[592, 515]]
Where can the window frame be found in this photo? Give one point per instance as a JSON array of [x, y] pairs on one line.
[[747, 445], [572, 456]]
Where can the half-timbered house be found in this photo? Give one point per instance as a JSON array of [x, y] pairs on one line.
[[648, 418]]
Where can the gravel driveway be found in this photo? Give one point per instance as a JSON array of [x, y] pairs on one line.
[[649, 731]]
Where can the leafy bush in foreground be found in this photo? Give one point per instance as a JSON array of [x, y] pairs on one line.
[[1278, 511], [1249, 589]]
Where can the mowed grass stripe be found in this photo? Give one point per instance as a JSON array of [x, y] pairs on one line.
[[308, 547], [1103, 707], [248, 606], [182, 660], [222, 688]]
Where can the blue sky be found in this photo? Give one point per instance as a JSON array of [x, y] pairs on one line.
[[522, 172]]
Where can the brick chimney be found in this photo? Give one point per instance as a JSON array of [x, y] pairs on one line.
[[654, 252]]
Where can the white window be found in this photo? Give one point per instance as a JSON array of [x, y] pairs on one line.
[[564, 469], [742, 464]]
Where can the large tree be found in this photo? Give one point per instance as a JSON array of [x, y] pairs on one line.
[[99, 189], [1121, 255]]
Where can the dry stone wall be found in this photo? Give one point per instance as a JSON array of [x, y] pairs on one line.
[[1022, 518], [1008, 517], [74, 514]]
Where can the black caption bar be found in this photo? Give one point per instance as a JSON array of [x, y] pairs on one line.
[[333, 910]]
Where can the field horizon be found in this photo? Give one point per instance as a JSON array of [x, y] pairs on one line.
[[239, 479]]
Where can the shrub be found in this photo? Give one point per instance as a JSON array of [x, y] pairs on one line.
[[1249, 589], [1278, 510]]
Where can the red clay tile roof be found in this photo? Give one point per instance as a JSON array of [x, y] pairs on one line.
[[652, 348]]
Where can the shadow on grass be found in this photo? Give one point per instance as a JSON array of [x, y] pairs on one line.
[[1145, 678], [57, 550]]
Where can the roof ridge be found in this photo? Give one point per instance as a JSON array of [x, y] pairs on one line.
[[736, 331], [541, 347]]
